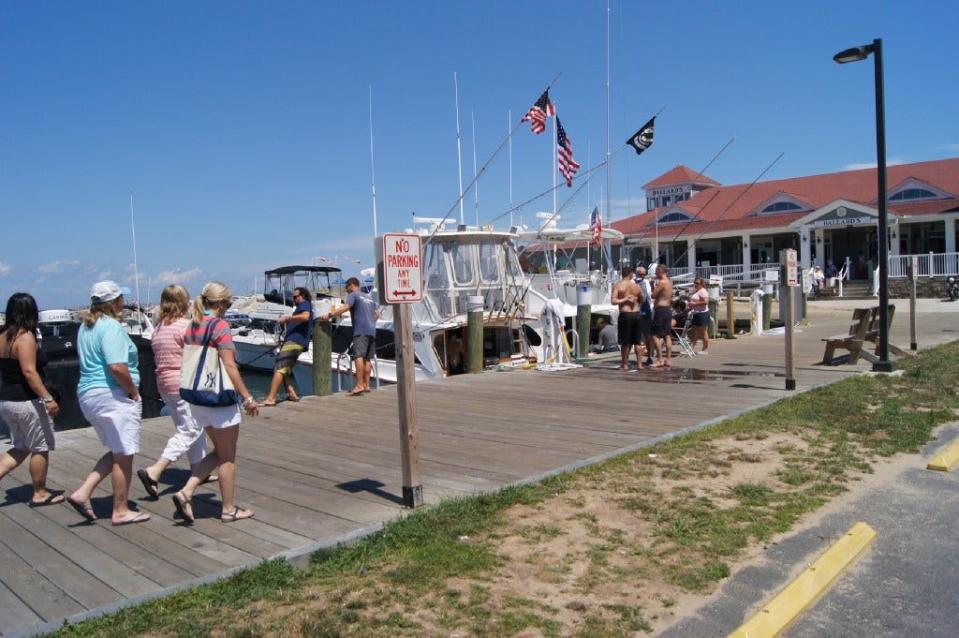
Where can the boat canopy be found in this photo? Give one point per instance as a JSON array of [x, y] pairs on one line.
[[289, 270]]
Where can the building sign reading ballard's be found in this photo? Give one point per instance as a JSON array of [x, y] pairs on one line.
[[841, 217]]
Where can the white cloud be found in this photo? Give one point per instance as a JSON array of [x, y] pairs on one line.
[[177, 276], [58, 266], [104, 274], [890, 161], [948, 147], [4, 269]]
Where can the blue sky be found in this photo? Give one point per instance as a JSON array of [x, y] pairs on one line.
[[241, 127]]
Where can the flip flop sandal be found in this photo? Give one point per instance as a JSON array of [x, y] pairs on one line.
[[83, 509], [53, 498], [183, 507], [234, 516], [137, 517], [267, 404], [149, 485]]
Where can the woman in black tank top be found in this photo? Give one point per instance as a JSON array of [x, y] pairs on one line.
[[26, 405]]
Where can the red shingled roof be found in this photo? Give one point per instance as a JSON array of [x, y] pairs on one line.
[[680, 175], [732, 207]]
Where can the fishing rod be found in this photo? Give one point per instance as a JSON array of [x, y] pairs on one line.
[[731, 204], [482, 170]]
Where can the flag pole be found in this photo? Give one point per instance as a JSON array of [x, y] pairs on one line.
[[372, 165], [609, 159], [459, 150]]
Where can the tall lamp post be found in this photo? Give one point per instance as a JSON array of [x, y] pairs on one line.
[[857, 54]]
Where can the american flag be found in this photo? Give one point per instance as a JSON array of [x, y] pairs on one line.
[[538, 113], [596, 224], [564, 154]]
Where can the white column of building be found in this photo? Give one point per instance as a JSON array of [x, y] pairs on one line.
[[950, 235], [747, 262], [806, 243], [691, 256]]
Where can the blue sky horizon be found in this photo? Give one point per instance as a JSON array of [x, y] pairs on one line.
[[242, 127]]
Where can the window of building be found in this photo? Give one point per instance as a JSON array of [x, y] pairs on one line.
[[650, 203], [781, 207], [912, 193], [667, 200], [674, 217]]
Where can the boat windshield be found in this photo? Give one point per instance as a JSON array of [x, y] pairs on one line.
[[489, 263], [462, 263]]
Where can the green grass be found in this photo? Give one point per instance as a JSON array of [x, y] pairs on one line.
[[375, 586]]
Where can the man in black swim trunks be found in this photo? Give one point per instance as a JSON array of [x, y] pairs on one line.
[[628, 295], [663, 316]]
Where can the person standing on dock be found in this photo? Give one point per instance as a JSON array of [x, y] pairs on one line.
[[299, 331], [26, 406], [663, 316], [628, 295], [699, 307], [363, 312], [646, 314], [167, 344], [110, 400]]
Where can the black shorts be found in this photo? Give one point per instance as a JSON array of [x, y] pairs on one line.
[[662, 321], [645, 325], [627, 329], [364, 347], [701, 318]]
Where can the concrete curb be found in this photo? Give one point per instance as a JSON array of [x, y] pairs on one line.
[[946, 458], [806, 588]]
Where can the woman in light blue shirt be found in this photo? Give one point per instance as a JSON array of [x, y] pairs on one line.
[[110, 401]]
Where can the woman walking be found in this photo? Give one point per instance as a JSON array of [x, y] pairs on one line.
[[26, 406], [110, 401], [699, 307], [167, 343], [221, 423]]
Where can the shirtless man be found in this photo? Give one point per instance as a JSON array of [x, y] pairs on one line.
[[663, 316], [628, 295]]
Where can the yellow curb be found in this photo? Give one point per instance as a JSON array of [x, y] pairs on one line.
[[944, 461], [806, 588]]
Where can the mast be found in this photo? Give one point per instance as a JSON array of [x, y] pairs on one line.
[[509, 127], [459, 150], [476, 191], [609, 159], [373, 166], [136, 271]]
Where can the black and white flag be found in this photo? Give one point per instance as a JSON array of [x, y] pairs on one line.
[[643, 138]]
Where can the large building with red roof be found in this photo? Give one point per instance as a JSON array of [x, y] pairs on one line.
[[692, 220]]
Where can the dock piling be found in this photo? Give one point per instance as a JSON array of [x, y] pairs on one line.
[[474, 334], [322, 356]]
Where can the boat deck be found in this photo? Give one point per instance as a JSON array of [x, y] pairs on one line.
[[328, 468]]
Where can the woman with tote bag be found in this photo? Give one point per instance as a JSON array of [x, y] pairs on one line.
[[210, 381]]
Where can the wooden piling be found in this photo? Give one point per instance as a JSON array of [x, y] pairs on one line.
[[584, 312], [767, 311], [730, 316], [322, 357], [474, 335]]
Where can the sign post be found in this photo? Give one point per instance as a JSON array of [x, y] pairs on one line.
[[399, 267], [791, 279], [913, 271]]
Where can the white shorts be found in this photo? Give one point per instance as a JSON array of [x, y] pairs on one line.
[[189, 438], [30, 426], [218, 418], [115, 417]]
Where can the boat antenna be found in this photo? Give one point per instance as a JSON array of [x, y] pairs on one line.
[[459, 150], [476, 190], [372, 165], [136, 270]]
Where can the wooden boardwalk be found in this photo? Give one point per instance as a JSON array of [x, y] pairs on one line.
[[324, 469]]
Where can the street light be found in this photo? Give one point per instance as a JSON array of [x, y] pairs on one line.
[[857, 54]]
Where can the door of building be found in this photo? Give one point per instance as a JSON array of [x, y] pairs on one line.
[[858, 244]]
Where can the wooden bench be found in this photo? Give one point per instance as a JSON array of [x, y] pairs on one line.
[[861, 319], [865, 328]]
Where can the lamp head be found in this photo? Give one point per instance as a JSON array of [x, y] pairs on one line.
[[855, 54]]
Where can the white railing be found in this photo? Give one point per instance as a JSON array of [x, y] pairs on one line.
[[928, 265], [735, 272]]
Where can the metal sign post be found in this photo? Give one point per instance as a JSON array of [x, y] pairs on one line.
[[399, 268], [790, 279], [913, 271]]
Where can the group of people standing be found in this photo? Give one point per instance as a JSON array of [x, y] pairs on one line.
[[647, 316], [109, 398]]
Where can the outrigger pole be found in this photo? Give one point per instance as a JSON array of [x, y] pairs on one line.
[[459, 200]]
